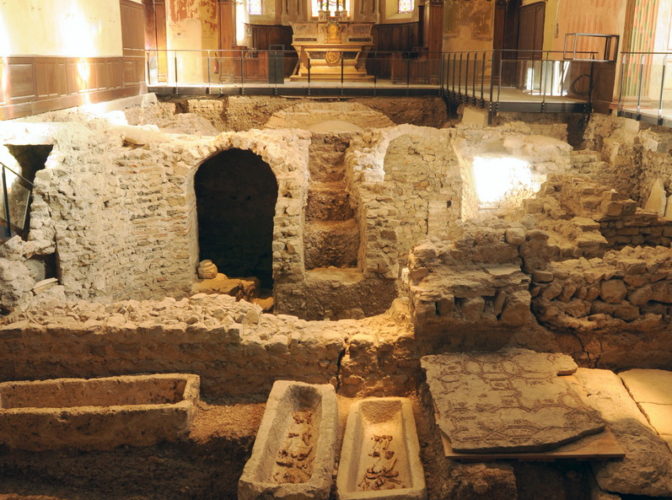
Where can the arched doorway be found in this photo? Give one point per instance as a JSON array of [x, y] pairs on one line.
[[236, 192]]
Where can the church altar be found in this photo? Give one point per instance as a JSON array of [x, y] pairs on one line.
[[332, 46]]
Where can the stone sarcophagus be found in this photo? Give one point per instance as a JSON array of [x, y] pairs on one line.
[[98, 413]]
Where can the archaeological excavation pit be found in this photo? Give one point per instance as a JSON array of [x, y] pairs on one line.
[[335, 250], [99, 413]]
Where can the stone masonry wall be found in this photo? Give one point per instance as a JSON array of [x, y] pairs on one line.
[[252, 112], [235, 348]]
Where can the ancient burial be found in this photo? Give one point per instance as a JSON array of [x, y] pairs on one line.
[[380, 457], [294, 452], [98, 413], [507, 401]]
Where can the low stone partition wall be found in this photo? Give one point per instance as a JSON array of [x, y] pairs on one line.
[[235, 348], [642, 228], [612, 312]]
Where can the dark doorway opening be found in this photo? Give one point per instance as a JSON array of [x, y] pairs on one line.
[[236, 192]]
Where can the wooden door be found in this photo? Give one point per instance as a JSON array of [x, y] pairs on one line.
[[531, 30]]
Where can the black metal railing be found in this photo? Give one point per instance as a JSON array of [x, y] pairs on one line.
[[645, 86], [532, 77], [16, 193]]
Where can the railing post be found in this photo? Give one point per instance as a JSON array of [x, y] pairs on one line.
[[499, 78], [466, 79], [8, 229], [621, 82], [459, 77], [148, 67], [641, 82], [483, 74], [308, 60], [408, 73], [342, 69], [242, 71], [175, 63], [492, 82], [542, 87], [209, 78], [660, 98]]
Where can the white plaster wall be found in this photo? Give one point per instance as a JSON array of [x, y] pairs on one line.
[[69, 28]]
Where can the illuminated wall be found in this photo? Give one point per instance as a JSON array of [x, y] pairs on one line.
[[72, 28], [192, 26], [468, 25]]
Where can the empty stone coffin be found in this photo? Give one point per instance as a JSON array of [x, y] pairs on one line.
[[99, 413], [381, 455], [293, 454]]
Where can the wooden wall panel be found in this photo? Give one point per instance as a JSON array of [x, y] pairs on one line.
[[263, 36], [40, 84], [402, 36], [132, 25]]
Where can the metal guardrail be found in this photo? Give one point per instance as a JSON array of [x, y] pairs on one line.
[[524, 80], [12, 198], [221, 71], [645, 86]]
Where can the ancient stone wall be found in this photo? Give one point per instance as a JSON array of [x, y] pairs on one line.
[[636, 155], [235, 348], [248, 112]]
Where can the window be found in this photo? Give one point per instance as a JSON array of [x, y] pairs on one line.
[[254, 7], [330, 5], [405, 6]]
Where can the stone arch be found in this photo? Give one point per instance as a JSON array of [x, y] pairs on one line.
[[236, 195]]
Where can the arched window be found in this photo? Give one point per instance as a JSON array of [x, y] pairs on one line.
[[329, 4], [254, 7], [405, 6]]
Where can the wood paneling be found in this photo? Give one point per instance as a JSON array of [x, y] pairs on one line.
[[531, 29], [263, 36], [132, 25], [36, 84], [402, 36]]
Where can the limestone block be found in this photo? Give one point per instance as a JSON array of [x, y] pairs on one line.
[[474, 117], [613, 291], [511, 400], [657, 200], [646, 468], [380, 457], [293, 454], [649, 386]]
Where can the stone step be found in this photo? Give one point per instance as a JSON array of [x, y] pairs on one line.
[[331, 243], [582, 156], [324, 171], [328, 201], [327, 154]]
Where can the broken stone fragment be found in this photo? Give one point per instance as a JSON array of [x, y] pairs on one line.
[[657, 200], [207, 270]]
